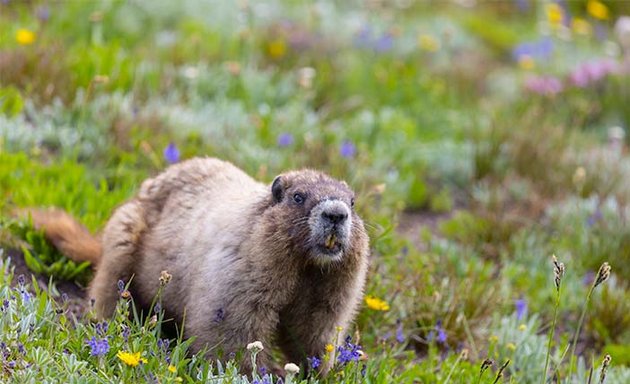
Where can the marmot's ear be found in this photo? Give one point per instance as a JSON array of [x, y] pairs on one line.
[[277, 189]]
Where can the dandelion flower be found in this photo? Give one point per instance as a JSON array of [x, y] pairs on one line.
[[277, 48], [329, 348], [555, 14], [522, 327], [597, 9], [376, 303], [428, 43], [131, 359], [511, 346], [172, 369], [25, 36]]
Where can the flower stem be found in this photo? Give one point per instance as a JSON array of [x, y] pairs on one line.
[[577, 331], [551, 332], [448, 378]]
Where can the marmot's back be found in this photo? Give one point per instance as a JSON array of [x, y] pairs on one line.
[[195, 214]]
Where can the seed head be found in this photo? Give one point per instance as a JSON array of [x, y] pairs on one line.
[[558, 271], [292, 369], [487, 363], [603, 274], [255, 347], [165, 278], [605, 364], [464, 354]]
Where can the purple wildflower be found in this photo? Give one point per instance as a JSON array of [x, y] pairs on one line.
[[163, 344], [363, 38], [601, 31], [314, 362], [544, 85], [125, 332], [171, 153], [592, 72], [121, 286], [363, 370], [347, 149], [441, 337], [384, 43], [522, 5], [262, 371], [348, 352], [594, 218], [26, 296], [285, 139], [157, 308], [400, 336], [64, 297], [5, 305], [21, 349], [11, 364], [43, 13], [539, 49], [521, 308], [101, 328], [98, 347], [21, 280]]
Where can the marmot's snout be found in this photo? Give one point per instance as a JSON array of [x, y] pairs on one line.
[[330, 222]]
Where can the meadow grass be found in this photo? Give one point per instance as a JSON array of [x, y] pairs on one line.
[[480, 141]]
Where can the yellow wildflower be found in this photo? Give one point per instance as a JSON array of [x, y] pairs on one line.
[[581, 26], [172, 369], [522, 327], [131, 359], [25, 36], [511, 346], [330, 347], [597, 9], [179, 379], [428, 43], [376, 303], [526, 62], [339, 328], [494, 338], [555, 14], [277, 48]]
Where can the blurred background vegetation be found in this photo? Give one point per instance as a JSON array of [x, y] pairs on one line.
[[481, 137]]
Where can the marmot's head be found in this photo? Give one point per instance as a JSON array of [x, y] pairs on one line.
[[317, 213]]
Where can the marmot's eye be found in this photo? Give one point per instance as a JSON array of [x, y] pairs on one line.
[[298, 198], [352, 203]]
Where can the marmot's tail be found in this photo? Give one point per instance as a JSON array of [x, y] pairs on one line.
[[68, 235]]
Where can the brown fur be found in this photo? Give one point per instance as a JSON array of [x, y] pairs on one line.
[[66, 234], [244, 262]]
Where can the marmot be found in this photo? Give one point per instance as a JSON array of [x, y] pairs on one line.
[[284, 263]]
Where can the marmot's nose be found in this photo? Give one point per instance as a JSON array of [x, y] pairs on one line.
[[335, 216]]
